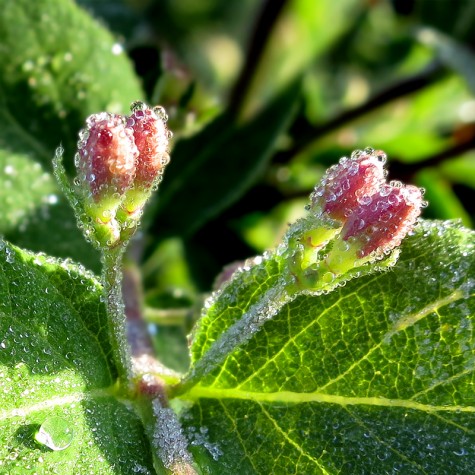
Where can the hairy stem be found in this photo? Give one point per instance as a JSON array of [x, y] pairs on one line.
[[238, 334], [112, 282]]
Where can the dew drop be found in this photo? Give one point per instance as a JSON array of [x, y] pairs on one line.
[[117, 49], [161, 113], [55, 433], [364, 200], [138, 106], [9, 170], [52, 199]]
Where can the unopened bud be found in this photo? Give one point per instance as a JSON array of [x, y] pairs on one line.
[[355, 219], [343, 188], [119, 161], [151, 137], [377, 227], [106, 162], [348, 184]]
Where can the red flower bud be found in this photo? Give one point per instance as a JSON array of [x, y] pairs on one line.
[[106, 156], [357, 217], [151, 139], [381, 224], [119, 162], [349, 184]]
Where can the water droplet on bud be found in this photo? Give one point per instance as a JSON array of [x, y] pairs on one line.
[[137, 106], [161, 113]]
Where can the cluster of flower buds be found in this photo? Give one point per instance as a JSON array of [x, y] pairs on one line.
[[357, 216], [120, 161]]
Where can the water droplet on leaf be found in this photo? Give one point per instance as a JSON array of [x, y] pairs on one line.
[[55, 433]]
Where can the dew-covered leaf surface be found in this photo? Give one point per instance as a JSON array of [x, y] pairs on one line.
[[59, 413], [374, 377], [57, 66]]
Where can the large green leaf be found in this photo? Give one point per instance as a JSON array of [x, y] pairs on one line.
[[34, 213], [57, 66], [456, 55], [374, 377], [57, 376]]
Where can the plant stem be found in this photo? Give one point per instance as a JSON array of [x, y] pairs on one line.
[[305, 133], [237, 334], [112, 282]]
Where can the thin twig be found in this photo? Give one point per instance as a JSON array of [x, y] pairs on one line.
[[404, 171], [264, 25], [304, 132]]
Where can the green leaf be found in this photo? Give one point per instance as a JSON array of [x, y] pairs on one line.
[[60, 412], [211, 170], [301, 36], [374, 377], [461, 169], [57, 66], [439, 193], [456, 55], [33, 212]]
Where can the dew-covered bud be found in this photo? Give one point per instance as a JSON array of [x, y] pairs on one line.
[[348, 184], [381, 225], [105, 161], [119, 161], [151, 139], [151, 136], [377, 227], [345, 186]]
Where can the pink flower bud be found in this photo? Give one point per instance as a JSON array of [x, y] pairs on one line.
[[349, 184], [119, 161], [151, 139], [380, 225], [106, 156]]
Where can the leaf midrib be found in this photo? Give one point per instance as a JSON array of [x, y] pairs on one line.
[[64, 400], [202, 392]]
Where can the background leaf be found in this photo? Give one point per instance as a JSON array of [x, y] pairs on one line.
[[375, 377], [221, 163], [57, 66], [55, 362]]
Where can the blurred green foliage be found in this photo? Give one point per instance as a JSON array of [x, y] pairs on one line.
[[262, 97]]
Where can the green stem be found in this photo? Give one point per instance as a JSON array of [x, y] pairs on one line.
[[112, 282], [168, 317], [238, 334], [293, 281]]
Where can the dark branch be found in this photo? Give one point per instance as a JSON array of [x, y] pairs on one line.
[[304, 132], [265, 22], [404, 171]]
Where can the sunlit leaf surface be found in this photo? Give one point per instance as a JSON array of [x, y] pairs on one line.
[[60, 413], [375, 377]]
